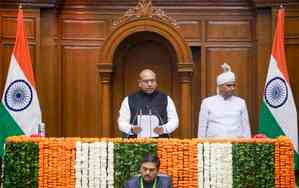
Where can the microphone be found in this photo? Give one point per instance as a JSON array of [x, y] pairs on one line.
[[162, 123], [138, 113], [135, 120], [206, 131], [150, 120]]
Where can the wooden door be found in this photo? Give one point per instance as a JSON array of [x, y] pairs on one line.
[[140, 51]]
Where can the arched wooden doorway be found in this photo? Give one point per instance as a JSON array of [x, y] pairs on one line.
[[137, 52], [145, 20]]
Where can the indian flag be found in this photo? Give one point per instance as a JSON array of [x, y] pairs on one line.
[[19, 109], [278, 114]]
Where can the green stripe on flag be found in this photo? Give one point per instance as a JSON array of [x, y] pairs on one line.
[[267, 123], [269, 126], [8, 127]]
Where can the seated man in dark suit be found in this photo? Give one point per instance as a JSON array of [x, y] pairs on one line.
[[149, 175]]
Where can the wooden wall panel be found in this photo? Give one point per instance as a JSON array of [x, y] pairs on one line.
[[83, 29], [196, 89], [48, 73], [292, 26], [190, 29], [292, 53], [228, 30], [9, 25], [79, 91]]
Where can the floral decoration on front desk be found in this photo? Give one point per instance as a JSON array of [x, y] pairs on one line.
[[105, 162]]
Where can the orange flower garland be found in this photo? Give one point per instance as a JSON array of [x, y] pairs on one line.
[[284, 167], [179, 160]]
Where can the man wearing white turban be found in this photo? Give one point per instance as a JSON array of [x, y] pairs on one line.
[[224, 115]]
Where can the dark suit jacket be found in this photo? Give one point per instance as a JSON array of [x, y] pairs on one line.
[[162, 182]]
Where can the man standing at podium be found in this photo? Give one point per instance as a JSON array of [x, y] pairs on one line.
[[147, 112], [224, 115]]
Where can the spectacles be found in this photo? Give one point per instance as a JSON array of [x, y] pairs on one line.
[[230, 85], [149, 81]]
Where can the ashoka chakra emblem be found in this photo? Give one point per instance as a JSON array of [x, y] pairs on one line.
[[276, 92], [18, 95]]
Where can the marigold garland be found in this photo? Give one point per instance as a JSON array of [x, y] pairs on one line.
[[284, 167], [178, 160]]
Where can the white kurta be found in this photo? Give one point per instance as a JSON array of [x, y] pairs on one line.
[[125, 116], [221, 117]]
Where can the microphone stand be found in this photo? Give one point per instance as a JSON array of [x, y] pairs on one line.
[[150, 121], [140, 118], [162, 123], [136, 119], [206, 131]]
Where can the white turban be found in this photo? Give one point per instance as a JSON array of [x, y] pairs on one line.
[[226, 76]]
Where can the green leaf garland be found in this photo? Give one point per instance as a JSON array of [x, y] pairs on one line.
[[253, 165], [21, 165], [127, 159]]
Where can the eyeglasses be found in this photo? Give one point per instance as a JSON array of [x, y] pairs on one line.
[[230, 85], [148, 81]]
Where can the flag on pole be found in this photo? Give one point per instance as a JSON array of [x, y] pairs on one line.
[[19, 109], [278, 114]]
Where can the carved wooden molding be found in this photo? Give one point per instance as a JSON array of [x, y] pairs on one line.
[[144, 9], [185, 72], [105, 70], [166, 30], [185, 78], [105, 67], [185, 67], [106, 77]]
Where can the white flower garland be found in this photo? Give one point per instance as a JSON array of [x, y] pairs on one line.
[[200, 166], [221, 165], [78, 165], [228, 165], [94, 165], [215, 165], [103, 162], [206, 164], [84, 165], [91, 167], [110, 168]]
